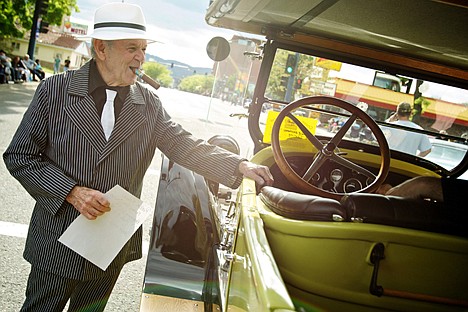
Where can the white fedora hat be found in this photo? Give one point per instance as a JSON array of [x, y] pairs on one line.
[[117, 20]]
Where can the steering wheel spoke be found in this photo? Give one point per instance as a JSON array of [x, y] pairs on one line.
[[344, 128], [312, 138], [314, 167]]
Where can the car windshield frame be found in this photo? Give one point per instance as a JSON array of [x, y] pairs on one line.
[[263, 101]]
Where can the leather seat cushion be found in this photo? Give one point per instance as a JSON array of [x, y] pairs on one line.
[[300, 206]]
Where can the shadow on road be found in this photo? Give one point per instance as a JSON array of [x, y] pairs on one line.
[[16, 96]]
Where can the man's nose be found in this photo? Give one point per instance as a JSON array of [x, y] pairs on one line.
[[140, 56]]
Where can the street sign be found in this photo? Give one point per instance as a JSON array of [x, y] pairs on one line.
[[328, 64]]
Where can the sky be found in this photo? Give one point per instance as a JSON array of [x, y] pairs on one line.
[[178, 25], [182, 33]]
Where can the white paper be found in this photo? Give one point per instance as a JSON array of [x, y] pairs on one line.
[[100, 240]]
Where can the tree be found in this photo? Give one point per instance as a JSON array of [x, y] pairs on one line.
[[304, 69], [231, 82], [159, 72], [279, 77], [16, 16], [200, 84], [276, 88]]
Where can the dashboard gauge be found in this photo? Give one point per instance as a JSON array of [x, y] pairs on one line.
[[352, 185], [336, 175], [316, 177], [369, 181]]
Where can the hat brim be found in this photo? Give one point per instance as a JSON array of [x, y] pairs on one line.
[[116, 33]]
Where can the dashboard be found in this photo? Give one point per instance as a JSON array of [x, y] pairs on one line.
[[331, 176]]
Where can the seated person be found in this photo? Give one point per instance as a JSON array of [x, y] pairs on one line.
[[3, 75], [9, 72], [31, 65], [40, 71], [449, 191], [22, 72]]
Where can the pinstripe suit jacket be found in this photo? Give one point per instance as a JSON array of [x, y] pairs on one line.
[[60, 143]]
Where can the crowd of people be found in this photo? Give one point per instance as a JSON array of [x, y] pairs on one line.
[[15, 69]]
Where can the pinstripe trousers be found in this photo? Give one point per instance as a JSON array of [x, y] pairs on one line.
[[48, 292]]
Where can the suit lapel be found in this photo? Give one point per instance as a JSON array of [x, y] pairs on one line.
[[82, 112], [81, 109]]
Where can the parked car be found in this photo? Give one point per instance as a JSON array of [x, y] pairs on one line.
[[320, 239], [448, 154]]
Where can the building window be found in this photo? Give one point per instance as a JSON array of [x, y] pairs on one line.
[[15, 46]]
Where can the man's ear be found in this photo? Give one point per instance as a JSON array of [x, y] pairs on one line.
[[100, 48]]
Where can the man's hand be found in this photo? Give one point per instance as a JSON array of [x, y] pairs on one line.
[[418, 187], [392, 118], [424, 153], [261, 174], [90, 203]]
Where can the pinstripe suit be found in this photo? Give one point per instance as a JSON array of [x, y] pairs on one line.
[[60, 143]]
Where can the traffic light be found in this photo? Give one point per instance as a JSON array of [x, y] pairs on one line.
[[298, 83], [42, 6], [290, 64], [44, 27]]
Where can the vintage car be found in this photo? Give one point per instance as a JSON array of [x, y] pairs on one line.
[[320, 239]]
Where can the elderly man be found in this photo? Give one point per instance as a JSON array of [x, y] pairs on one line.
[[66, 155], [32, 66]]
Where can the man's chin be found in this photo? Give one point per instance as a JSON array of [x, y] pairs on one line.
[[130, 81]]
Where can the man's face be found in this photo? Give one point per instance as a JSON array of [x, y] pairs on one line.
[[117, 60]]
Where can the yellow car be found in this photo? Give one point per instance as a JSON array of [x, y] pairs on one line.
[[322, 117]]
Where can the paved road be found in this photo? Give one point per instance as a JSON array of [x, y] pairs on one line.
[[198, 114]]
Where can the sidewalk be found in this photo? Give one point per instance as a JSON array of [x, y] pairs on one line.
[[16, 95], [9, 91]]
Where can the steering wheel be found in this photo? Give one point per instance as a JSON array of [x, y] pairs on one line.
[[327, 150]]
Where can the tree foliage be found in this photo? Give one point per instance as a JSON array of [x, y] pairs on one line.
[[158, 72], [274, 89], [303, 70], [16, 16], [231, 82], [200, 84], [305, 67]]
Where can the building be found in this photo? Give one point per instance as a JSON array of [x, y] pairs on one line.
[[241, 66], [59, 40]]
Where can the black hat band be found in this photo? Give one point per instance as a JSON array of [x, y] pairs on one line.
[[119, 24]]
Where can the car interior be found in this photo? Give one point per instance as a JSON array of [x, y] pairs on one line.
[[320, 238], [350, 58]]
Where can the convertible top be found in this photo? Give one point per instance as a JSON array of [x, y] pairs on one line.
[[429, 31]]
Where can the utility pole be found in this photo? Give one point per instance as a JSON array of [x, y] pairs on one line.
[[39, 10], [293, 59]]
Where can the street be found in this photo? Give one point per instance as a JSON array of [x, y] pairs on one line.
[[198, 114]]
